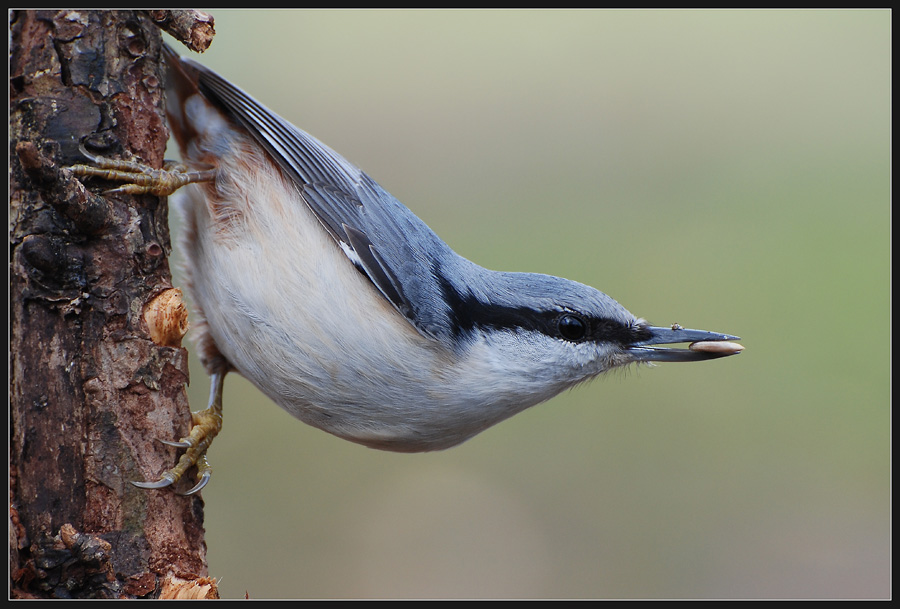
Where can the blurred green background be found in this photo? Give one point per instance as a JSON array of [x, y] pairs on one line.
[[727, 170]]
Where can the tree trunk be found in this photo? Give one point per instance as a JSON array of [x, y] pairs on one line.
[[91, 392]]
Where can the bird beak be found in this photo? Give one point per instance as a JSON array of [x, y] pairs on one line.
[[704, 345]]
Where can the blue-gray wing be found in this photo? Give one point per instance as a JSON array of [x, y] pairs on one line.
[[384, 239]]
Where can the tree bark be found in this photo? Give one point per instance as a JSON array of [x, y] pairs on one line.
[[91, 392]]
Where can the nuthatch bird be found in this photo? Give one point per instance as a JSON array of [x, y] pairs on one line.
[[348, 311]]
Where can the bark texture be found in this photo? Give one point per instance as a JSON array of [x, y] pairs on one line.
[[90, 391]]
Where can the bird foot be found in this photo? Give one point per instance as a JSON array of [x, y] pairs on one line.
[[205, 426], [141, 179]]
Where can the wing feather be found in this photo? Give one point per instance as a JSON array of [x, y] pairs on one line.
[[388, 243]]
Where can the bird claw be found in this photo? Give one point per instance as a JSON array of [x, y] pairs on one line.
[[204, 473], [163, 482]]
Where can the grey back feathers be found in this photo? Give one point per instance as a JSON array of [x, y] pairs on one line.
[[443, 295]]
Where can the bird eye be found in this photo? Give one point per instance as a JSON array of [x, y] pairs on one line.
[[571, 327]]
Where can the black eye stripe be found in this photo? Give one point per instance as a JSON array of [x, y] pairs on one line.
[[467, 313]]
